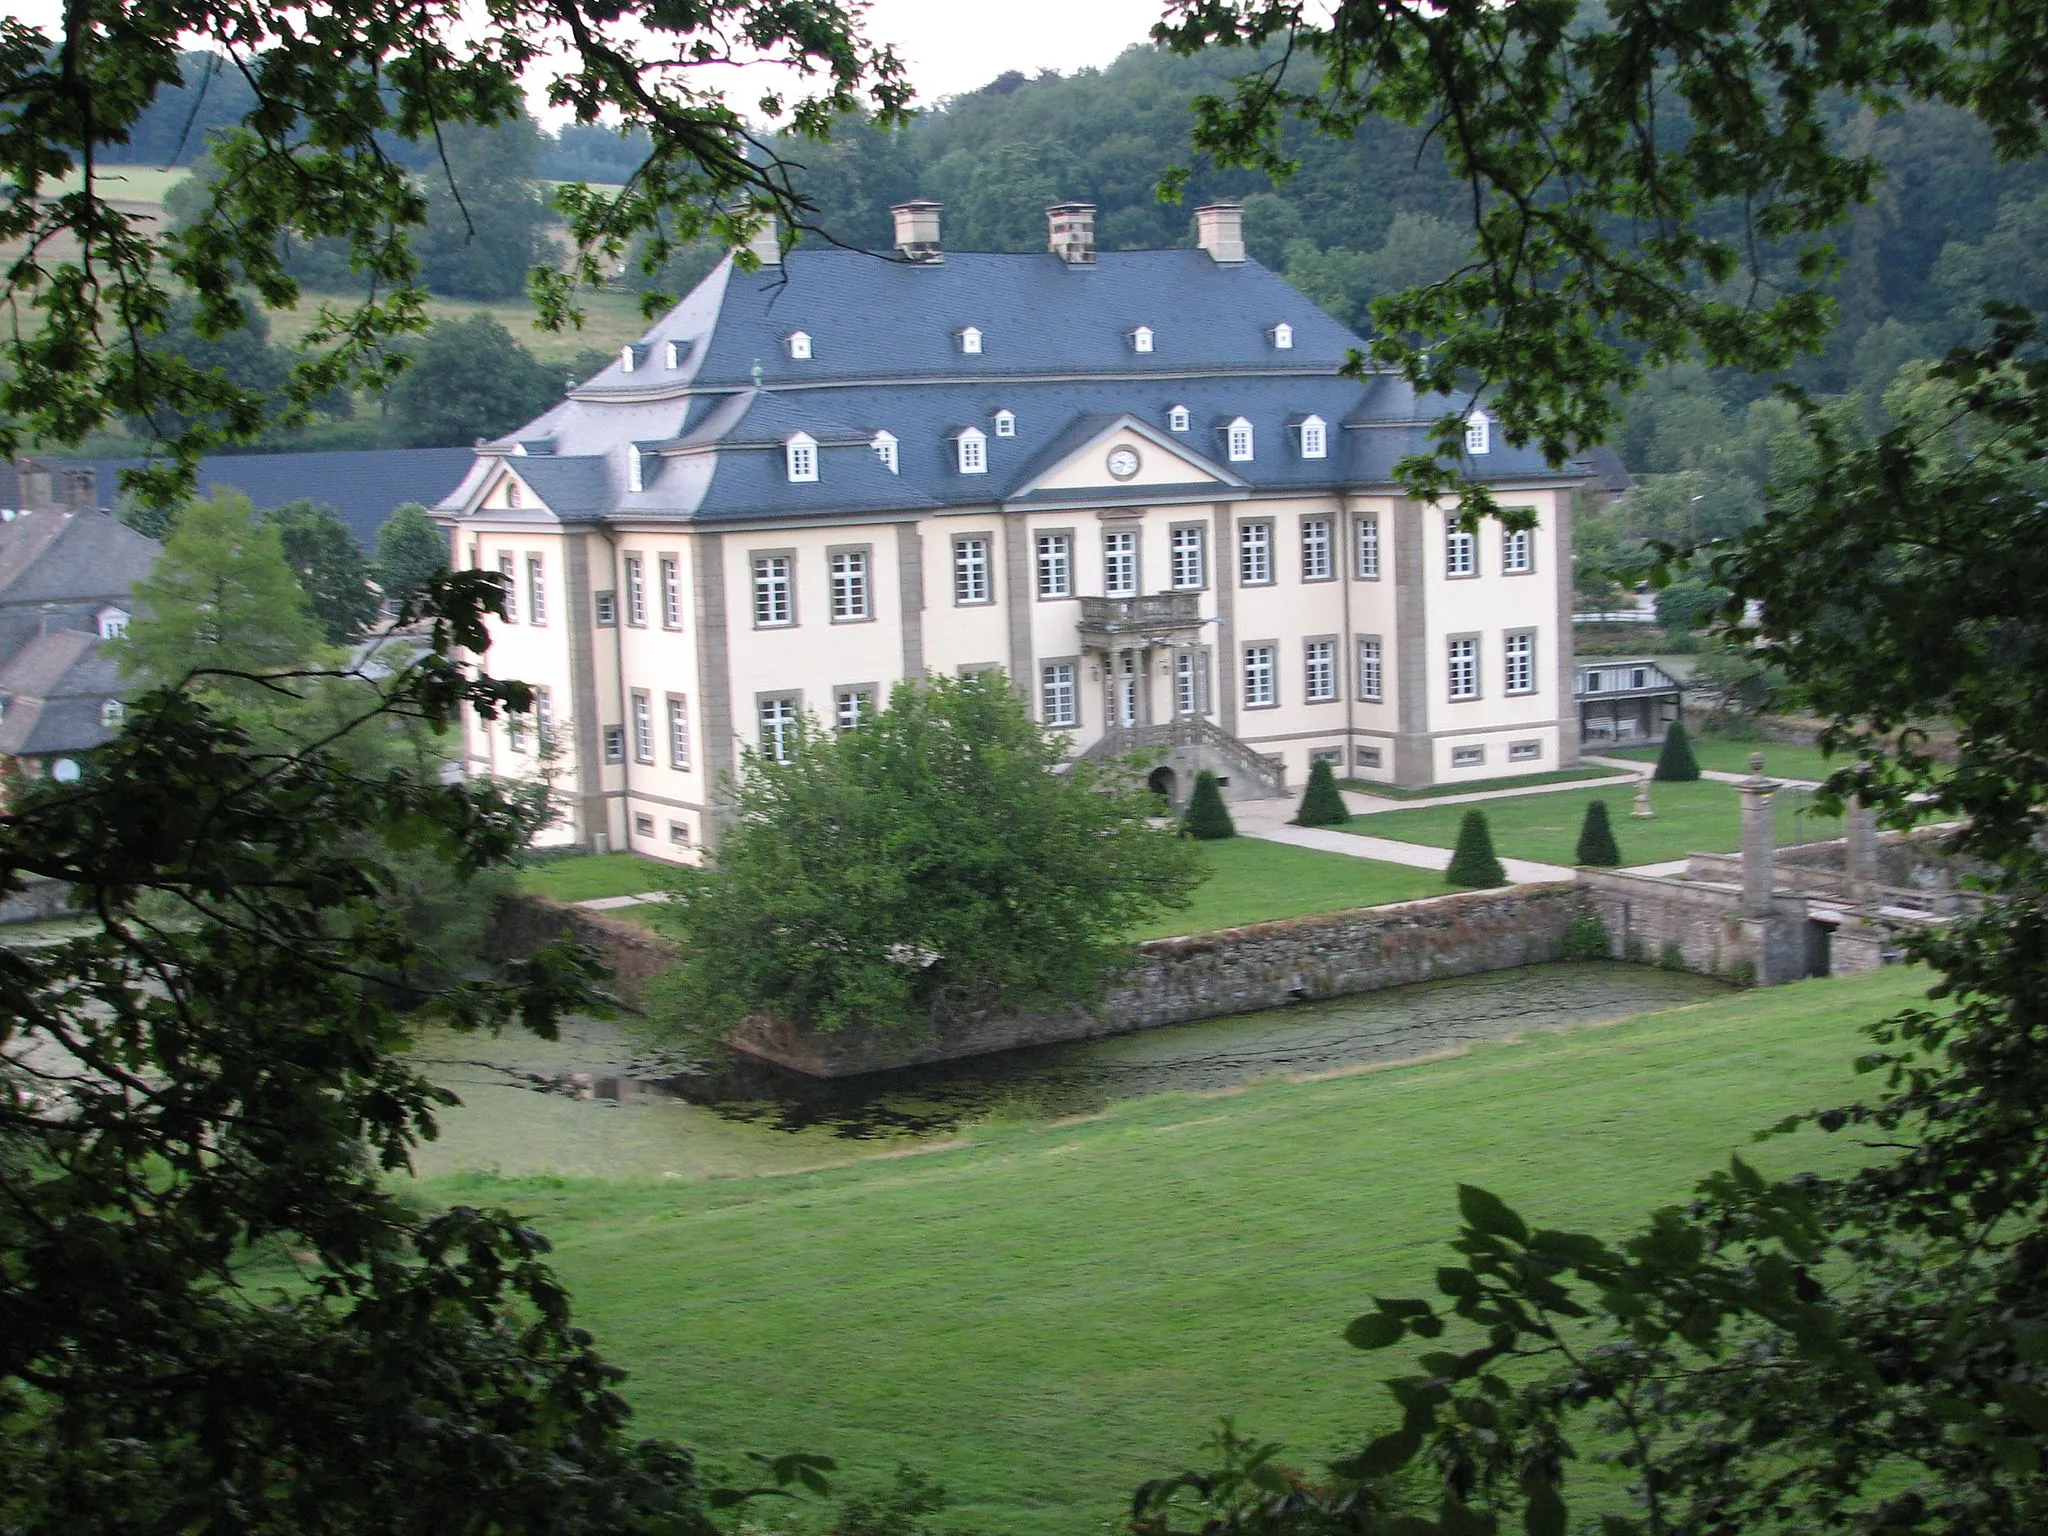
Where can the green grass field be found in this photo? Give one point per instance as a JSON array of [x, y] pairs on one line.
[[1717, 755], [1045, 1315], [1478, 786], [587, 876], [1703, 817]]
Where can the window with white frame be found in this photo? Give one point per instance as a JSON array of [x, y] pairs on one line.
[[614, 744], [1120, 564], [515, 733], [850, 585], [678, 731], [544, 715], [679, 834], [1006, 423], [1461, 550], [970, 570], [636, 590], [605, 608], [1141, 339], [1517, 551], [1478, 432], [1525, 751], [801, 453], [1372, 670], [1191, 681], [643, 824], [1055, 565], [505, 569], [1283, 335], [1261, 683], [884, 444], [671, 592], [1462, 653], [1315, 439], [111, 711], [778, 728], [1318, 559], [774, 595], [1367, 532], [1177, 418], [636, 468], [1319, 671], [970, 340], [1190, 567], [536, 591], [1059, 702], [112, 622], [799, 345], [628, 357], [643, 727], [1520, 655], [973, 451], [1255, 554], [1467, 757], [850, 706], [677, 351], [1238, 440]]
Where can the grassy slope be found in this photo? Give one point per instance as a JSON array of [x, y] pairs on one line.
[[1049, 1315], [610, 321], [1720, 756], [583, 877], [1703, 817]]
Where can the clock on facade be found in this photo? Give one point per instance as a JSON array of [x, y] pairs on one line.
[[1123, 462]]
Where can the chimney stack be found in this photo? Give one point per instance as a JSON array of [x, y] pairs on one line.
[[917, 229], [1071, 233], [766, 246], [1219, 230]]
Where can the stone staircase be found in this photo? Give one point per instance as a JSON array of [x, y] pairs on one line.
[[1252, 774]]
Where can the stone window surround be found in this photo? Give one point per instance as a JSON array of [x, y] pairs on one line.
[[669, 565], [1358, 659], [1272, 551], [988, 555], [634, 566], [679, 761], [1244, 651], [1124, 522], [1525, 751], [754, 559], [764, 696], [643, 727], [1478, 669], [1044, 664], [1201, 532], [1452, 531], [1530, 534], [1330, 552], [1379, 547], [1336, 693], [1535, 678], [1038, 567], [840, 692], [536, 589], [832, 553]]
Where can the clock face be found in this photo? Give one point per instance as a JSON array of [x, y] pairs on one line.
[[1123, 462]]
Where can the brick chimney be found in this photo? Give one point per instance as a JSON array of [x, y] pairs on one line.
[[1219, 230], [917, 229], [1071, 233]]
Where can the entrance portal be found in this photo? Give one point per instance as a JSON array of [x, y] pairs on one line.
[[1162, 783]]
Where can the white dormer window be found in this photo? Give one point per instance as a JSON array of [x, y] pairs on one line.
[[970, 340], [1283, 336], [1478, 432], [1177, 419], [973, 447], [627, 359], [799, 345], [636, 470], [112, 622], [111, 712], [1141, 339], [801, 452], [1006, 423], [1238, 437], [677, 351], [1315, 439], [884, 444]]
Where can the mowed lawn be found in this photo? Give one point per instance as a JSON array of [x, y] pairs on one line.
[[1701, 817], [1781, 760], [587, 876], [1047, 1315]]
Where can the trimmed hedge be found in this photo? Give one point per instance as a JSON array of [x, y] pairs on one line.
[[1596, 838], [1208, 818], [1473, 864], [1322, 804], [1676, 764]]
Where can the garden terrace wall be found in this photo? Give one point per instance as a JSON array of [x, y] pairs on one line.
[[632, 954]]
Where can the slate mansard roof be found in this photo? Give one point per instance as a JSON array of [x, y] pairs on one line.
[[715, 392]]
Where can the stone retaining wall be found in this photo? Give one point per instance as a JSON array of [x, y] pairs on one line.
[[634, 955], [1696, 928]]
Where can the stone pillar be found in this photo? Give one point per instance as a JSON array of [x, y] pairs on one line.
[[1758, 844], [1860, 823]]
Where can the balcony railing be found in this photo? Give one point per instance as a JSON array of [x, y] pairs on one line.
[[1155, 614]]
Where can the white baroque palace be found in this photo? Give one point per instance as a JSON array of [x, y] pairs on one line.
[[1137, 482]]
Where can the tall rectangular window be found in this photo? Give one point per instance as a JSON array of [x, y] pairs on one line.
[[850, 585], [536, 591], [506, 570], [1059, 703], [1464, 667], [1521, 661], [1368, 530], [678, 731], [970, 570], [1319, 670], [1372, 673], [1120, 565], [615, 744], [778, 728], [544, 716], [1518, 551], [643, 727], [1055, 565], [515, 733], [636, 590], [671, 592], [1190, 569], [850, 706], [774, 599], [1461, 550], [1261, 686], [1317, 563], [1191, 681], [1255, 554]]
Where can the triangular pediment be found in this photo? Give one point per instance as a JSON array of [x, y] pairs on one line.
[[1121, 453]]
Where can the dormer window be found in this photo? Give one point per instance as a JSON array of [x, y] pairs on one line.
[[1283, 336], [1141, 339], [1177, 419], [973, 449], [111, 712], [1478, 432], [970, 341], [800, 451], [112, 622], [1006, 423], [677, 351], [799, 345], [1315, 440], [1238, 439], [627, 358], [636, 470], [884, 444]]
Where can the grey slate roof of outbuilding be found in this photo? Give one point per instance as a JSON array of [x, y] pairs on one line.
[[52, 692]]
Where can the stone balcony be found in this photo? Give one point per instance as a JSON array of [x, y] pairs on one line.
[[1164, 618]]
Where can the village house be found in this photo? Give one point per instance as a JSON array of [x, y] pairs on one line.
[[1137, 482]]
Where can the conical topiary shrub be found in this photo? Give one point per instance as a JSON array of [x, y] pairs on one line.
[[1596, 838], [1676, 764], [1322, 805], [1473, 864], [1208, 818]]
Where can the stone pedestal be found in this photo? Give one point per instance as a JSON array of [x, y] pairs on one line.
[[1860, 824], [1758, 842]]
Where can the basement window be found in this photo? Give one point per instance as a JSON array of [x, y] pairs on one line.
[[1467, 757]]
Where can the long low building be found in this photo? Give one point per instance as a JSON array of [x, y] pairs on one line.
[[1140, 483]]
